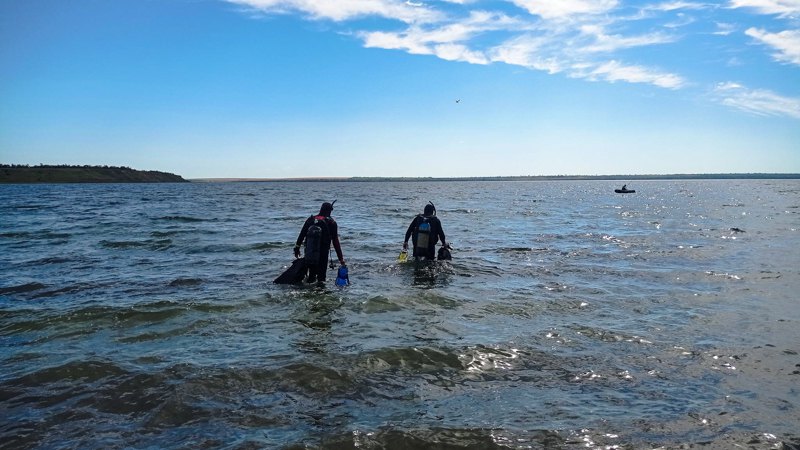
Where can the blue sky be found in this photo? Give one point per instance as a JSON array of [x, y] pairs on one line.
[[307, 88]]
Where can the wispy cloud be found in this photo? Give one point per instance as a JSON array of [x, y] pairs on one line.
[[341, 10], [603, 42], [447, 41], [587, 39], [782, 8], [756, 101], [615, 71], [724, 29], [532, 52], [677, 5], [544, 53], [565, 8], [786, 43]]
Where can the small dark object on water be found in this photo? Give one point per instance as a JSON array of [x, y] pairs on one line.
[[737, 230], [624, 190]]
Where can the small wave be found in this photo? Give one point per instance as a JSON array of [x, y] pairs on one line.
[[161, 234], [71, 289], [481, 359], [15, 234], [267, 245], [83, 371], [235, 248], [123, 244], [186, 219], [514, 249], [609, 336], [310, 378], [186, 282], [150, 336], [31, 207], [50, 260], [380, 304], [158, 244], [729, 276], [28, 235], [27, 287], [449, 438], [416, 359]]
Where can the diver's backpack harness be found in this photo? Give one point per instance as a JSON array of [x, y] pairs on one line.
[[314, 236]]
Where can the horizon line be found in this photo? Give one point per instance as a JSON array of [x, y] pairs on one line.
[[732, 175]]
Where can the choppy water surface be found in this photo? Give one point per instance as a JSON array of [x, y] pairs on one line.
[[143, 316]]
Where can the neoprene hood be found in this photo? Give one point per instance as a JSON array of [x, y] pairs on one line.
[[326, 208]]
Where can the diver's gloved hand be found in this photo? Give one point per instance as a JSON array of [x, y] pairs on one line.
[[405, 245], [296, 251], [341, 262]]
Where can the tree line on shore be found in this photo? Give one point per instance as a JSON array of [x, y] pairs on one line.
[[66, 173]]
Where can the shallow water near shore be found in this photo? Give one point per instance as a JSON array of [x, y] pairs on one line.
[[144, 316]]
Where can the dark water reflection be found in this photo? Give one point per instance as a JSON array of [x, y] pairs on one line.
[[143, 316]]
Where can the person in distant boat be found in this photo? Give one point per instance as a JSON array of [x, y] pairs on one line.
[[624, 187], [425, 231], [318, 233]]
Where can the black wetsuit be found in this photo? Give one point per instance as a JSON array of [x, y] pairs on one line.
[[330, 234], [436, 234]]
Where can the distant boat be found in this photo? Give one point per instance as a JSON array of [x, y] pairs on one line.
[[624, 191]]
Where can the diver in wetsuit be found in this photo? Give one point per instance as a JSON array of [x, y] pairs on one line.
[[319, 232], [425, 231]]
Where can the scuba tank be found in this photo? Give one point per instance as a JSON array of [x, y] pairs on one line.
[[423, 235], [423, 232], [314, 240]]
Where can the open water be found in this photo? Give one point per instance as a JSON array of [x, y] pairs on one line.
[[144, 316]]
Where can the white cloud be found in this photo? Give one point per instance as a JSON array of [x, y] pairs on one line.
[[530, 52], [780, 7], [341, 10], [396, 41], [544, 54], [724, 29], [445, 41], [787, 43], [615, 71], [563, 36], [559, 9], [610, 43], [756, 101], [677, 5], [457, 52]]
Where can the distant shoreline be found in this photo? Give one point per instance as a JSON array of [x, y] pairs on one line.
[[628, 178]]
